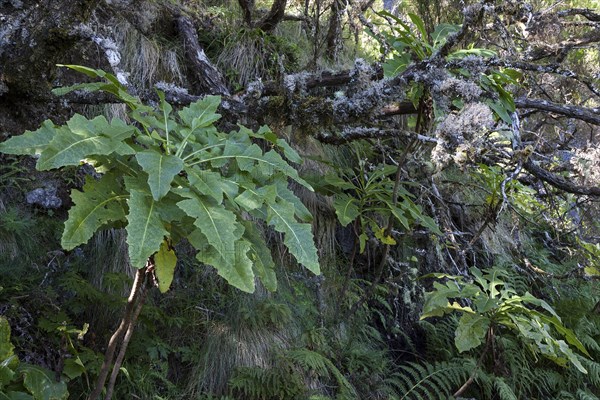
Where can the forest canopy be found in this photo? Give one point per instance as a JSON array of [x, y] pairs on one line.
[[334, 198]]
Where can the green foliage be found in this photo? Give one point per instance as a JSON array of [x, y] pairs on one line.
[[424, 380], [498, 82], [175, 176], [365, 197], [411, 45], [494, 304], [23, 381], [285, 380]]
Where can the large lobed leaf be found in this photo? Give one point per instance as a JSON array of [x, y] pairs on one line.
[[217, 224], [30, 143], [82, 138], [145, 229], [201, 113], [298, 237], [101, 202], [161, 169], [471, 331], [237, 270]]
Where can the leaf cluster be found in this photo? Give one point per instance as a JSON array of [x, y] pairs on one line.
[[170, 176], [365, 197], [492, 305]]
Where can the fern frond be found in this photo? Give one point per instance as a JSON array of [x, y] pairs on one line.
[[429, 380], [586, 395], [504, 391], [309, 360], [563, 395], [593, 369]]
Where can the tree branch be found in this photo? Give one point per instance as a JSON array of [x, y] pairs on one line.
[[585, 12], [591, 115], [208, 78], [247, 7], [275, 15], [559, 182]]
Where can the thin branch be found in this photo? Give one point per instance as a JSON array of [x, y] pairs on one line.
[[127, 338]]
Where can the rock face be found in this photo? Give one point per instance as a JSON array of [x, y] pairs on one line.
[[44, 197], [34, 37]]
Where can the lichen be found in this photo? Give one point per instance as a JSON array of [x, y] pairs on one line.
[[170, 88], [459, 131]]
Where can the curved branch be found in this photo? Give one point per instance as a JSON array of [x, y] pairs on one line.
[[559, 182], [275, 15], [589, 14], [591, 115]]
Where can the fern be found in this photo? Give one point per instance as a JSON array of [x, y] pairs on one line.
[[309, 360], [586, 395], [416, 381], [439, 338], [504, 391], [593, 368], [262, 384], [322, 365]]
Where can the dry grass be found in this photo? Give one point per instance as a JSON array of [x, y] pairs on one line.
[[147, 60]]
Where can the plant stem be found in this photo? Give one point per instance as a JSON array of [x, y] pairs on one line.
[[125, 343], [112, 344], [488, 342]]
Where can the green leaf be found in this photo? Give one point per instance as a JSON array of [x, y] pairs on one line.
[[300, 209], [30, 143], [563, 330], [206, 182], [362, 238], [91, 87], [479, 52], [436, 302], [270, 162], [201, 113], [237, 271], [101, 202], [346, 208], [73, 368], [217, 224], [241, 275], [260, 254], [396, 65], [161, 169], [145, 229], [383, 238], [164, 264], [265, 133], [250, 199], [419, 24], [398, 215], [6, 347], [441, 33], [40, 383], [82, 138], [298, 237], [471, 331]]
